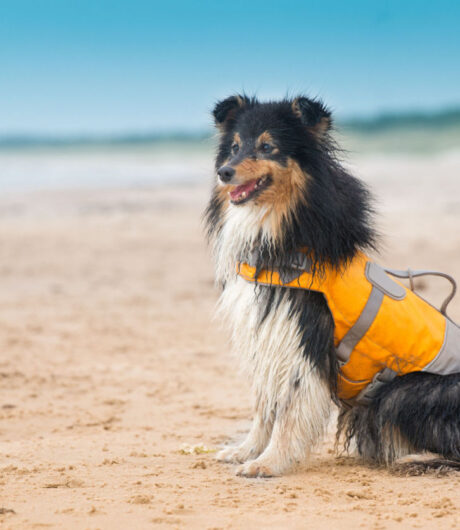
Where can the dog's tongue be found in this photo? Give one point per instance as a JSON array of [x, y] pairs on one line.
[[237, 192]]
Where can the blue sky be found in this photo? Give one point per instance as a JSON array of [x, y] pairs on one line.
[[109, 66]]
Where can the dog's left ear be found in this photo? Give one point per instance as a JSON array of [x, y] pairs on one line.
[[228, 109], [313, 114]]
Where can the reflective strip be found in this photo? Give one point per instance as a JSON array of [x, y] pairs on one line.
[[359, 329]]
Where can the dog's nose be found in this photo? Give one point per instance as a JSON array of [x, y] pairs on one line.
[[226, 173]]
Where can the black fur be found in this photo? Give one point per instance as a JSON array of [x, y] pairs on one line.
[[226, 111], [422, 408], [312, 112], [317, 339]]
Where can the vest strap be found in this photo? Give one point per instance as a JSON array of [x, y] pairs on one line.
[[381, 378], [360, 327], [410, 274]]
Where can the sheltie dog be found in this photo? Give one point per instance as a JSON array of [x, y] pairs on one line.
[[280, 187]]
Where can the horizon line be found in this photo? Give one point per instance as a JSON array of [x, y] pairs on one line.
[[446, 116]]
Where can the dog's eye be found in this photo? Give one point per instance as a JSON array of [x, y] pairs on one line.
[[266, 148], [235, 148]]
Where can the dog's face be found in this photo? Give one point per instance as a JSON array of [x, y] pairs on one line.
[[280, 185], [263, 149]]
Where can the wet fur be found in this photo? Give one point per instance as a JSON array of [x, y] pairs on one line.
[[284, 337], [413, 413]]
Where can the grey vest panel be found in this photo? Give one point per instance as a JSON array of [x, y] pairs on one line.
[[448, 359]]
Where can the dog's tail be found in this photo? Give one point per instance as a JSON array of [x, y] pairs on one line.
[[417, 412], [414, 465]]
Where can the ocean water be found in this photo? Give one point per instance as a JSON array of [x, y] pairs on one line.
[[29, 168], [146, 164]]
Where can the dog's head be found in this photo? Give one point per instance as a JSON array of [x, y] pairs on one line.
[[265, 148], [279, 180]]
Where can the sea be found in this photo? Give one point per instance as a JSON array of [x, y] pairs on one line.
[[65, 164], [78, 165]]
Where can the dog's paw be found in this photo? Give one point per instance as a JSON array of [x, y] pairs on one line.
[[239, 454], [233, 455], [256, 469], [227, 455]]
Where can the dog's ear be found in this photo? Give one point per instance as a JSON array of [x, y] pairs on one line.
[[226, 111], [313, 114]]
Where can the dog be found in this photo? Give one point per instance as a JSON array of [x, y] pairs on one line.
[[281, 188]]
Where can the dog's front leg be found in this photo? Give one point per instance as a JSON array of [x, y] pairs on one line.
[[301, 419], [254, 444]]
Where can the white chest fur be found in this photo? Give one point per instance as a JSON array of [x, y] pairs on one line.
[[292, 400], [269, 350]]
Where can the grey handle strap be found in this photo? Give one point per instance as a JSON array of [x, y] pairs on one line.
[[410, 274]]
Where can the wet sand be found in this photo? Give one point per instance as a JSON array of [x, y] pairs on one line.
[[111, 366]]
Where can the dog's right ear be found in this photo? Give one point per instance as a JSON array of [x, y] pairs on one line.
[[313, 114], [226, 111]]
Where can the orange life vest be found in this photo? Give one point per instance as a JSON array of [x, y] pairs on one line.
[[382, 329]]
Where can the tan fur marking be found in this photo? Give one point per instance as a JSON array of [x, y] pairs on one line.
[[240, 100], [295, 108], [287, 189], [264, 138], [222, 194], [237, 139]]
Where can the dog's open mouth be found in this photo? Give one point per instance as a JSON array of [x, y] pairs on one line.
[[246, 192]]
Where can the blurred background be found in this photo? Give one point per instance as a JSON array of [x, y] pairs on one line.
[[98, 93], [111, 360]]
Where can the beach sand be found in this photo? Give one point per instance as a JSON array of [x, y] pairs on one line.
[[112, 368]]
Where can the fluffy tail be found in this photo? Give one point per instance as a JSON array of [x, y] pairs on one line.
[[417, 412], [415, 465]]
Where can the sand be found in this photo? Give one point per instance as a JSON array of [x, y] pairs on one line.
[[115, 381]]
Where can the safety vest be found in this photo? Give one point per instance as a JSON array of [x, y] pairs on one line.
[[382, 329]]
